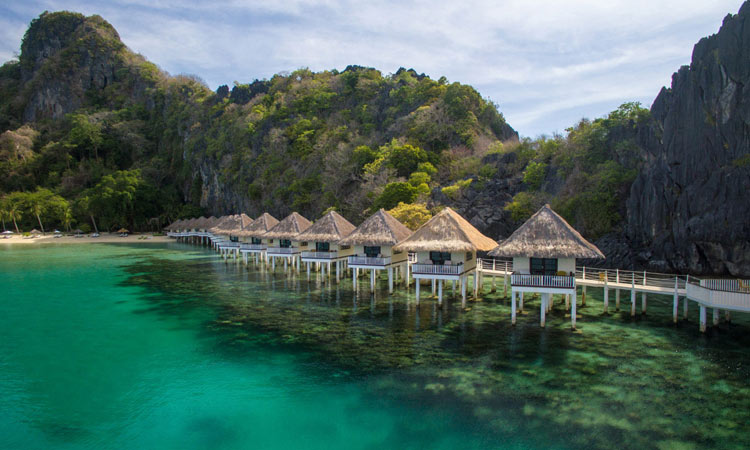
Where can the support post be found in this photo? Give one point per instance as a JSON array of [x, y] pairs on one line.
[[434, 287], [354, 278], [440, 292], [372, 280], [543, 310], [617, 299], [643, 302], [606, 293], [716, 316], [632, 299], [685, 308], [703, 319], [573, 312], [675, 302], [583, 297], [463, 291], [390, 280], [416, 282], [513, 308], [521, 301]]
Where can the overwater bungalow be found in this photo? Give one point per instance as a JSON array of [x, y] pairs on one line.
[[372, 247], [251, 238], [544, 251], [283, 241], [225, 233], [446, 248], [325, 235]]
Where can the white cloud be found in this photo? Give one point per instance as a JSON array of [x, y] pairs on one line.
[[541, 60]]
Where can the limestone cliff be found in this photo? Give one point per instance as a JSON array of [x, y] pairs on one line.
[[689, 208]]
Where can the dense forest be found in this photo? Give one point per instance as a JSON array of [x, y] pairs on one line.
[[95, 134]]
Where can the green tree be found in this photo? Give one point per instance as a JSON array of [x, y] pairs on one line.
[[395, 193], [412, 215], [405, 158], [524, 204], [534, 175], [85, 135]]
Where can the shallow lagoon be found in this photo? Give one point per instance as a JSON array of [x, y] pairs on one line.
[[168, 346]]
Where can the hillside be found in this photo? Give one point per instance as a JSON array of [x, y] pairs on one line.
[[95, 135]]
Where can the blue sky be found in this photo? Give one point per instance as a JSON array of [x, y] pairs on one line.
[[546, 63]]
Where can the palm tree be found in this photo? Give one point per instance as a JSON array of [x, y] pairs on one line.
[[67, 217]]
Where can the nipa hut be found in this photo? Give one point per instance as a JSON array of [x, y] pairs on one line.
[[446, 248], [372, 244], [325, 234], [544, 251], [251, 238], [283, 241]]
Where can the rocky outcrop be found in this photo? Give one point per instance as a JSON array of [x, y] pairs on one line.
[[689, 208], [63, 57]]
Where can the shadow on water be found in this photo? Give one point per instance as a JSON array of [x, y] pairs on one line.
[[630, 382]]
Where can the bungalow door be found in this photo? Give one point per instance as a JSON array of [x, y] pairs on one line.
[[543, 266], [322, 246]]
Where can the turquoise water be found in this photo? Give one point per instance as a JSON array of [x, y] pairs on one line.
[[166, 346]]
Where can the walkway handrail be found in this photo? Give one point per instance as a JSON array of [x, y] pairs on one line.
[[434, 269], [718, 298], [282, 250], [252, 247], [369, 261], [726, 285], [320, 255], [551, 281], [631, 277]]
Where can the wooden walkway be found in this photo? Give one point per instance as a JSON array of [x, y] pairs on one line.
[[717, 294]]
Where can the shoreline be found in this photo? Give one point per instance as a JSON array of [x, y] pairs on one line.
[[105, 238]]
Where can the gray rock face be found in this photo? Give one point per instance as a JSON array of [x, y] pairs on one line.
[[689, 209]]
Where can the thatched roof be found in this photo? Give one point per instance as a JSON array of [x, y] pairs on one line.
[[174, 225], [380, 228], [259, 226], [188, 225], [232, 224], [448, 232], [329, 228], [547, 235], [289, 227], [211, 222], [200, 223]]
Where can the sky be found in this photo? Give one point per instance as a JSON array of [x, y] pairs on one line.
[[545, 63]]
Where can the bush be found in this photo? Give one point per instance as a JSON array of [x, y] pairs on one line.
[[534, 175], [524, 204], [487, 171], [395, 193], [418, 178], [453, 191], [411, 215]]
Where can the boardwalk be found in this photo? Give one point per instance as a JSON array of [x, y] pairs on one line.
[[718, 294]]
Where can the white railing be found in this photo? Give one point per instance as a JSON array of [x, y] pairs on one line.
[[638, 278], [718, 298], [229, 245], [320, 255], [369, 261], [495, 265], [434, 269], [281, 250], [252, 247], [551, 281], [741, 286]]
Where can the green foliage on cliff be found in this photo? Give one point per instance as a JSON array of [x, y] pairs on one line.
[[127, 145]]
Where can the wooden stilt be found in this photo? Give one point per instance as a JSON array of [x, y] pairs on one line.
[[573, 312], [440, 292], [632, 300], [372, 280], [416, 282], [716, 316], [727, 315], [583, 297], [390, 280], [606, 293], [354, 279], [702, 319], [434, 287], [567, 302], [675, 302], [617, 299], [463, 291], [513, 308], [685, 308], [520, 303], [493, 284], [543, 310]]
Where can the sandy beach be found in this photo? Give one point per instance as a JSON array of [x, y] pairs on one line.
[[104, 238]]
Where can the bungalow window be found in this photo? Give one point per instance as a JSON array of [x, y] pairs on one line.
[[543, 266], [285, 243], [255, 241], [439, 258], [322, 246], [469, 256], [234, 239], [372, 251]]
